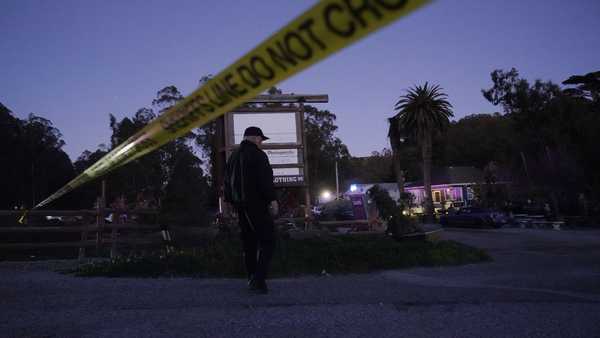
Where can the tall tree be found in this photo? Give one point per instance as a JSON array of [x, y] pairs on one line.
[[37, 164], [146, 174], [526, 105], [11, 147], [87, 194], [210, 139], [172, 174], [556, 130], [587, 86], [376, 168], [477, 139], [186, 189], [424, 111], [323, 147], [397, 138]]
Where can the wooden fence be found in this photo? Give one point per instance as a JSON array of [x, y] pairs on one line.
[[95, 231], [354, 225]]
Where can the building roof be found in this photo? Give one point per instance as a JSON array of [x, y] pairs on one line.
[[451, 175], [439, 176], [361, 188]]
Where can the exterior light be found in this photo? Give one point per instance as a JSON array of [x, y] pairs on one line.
[[353, 187], [326, 195], [405, 212]]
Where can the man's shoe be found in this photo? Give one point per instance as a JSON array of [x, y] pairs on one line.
[[251, 284], [259, 287]]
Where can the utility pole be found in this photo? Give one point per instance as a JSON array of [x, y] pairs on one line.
[[337, 182], [219, 153], [526, 172], [32, 184]]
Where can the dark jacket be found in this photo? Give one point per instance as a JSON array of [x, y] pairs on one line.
[[251, 167]]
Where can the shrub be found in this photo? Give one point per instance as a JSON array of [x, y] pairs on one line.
[[398, 224], [341, 254]]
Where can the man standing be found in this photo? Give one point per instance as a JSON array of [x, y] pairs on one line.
[[249, 188]]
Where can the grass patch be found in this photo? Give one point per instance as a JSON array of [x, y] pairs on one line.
[[348, 254]]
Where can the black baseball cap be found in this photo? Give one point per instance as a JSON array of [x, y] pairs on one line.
[[255, 131]]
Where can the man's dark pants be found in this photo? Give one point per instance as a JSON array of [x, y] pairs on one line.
[[258, 239]]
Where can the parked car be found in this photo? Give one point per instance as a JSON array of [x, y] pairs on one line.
[[337, 210], [473, 216]]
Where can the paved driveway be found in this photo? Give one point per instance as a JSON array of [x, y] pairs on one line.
[[542, 283]]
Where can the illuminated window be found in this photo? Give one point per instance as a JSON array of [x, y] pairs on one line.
[[437, 196], [458, 195]]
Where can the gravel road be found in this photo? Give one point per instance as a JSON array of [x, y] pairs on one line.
[[542, 283]]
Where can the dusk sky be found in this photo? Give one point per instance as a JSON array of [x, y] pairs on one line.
[[74, 62]]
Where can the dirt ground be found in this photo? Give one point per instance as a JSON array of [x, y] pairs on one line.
[[542, 283]]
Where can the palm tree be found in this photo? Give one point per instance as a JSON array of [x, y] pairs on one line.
[[396, 139], [423, 112]]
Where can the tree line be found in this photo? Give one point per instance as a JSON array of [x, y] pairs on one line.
[[544, 140], [178, 178]]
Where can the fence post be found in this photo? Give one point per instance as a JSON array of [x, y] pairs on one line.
[[100, 218], [100, 221], [84, 232], [114, 234], [83, 239]]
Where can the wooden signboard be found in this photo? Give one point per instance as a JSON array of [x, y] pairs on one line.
[[285, 146]]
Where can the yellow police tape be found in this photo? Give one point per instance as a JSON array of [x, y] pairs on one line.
[[325, 28], [23, 218]]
